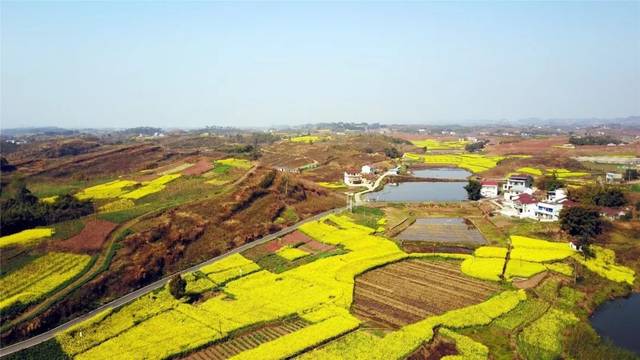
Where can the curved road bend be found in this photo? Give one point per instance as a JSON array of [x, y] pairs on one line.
[[4, 351]]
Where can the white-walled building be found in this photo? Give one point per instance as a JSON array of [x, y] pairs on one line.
[[489, 189], [517, 183], [367, 169], [613, 178], [352, 178]]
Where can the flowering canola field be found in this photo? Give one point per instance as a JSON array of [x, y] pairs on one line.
[[321, 292], [434, 144], [33, 281], [158, 326], [25, 237], [151, 187], [473, 162], [109, 190], [307, 139], [238, 163], [290, 253]]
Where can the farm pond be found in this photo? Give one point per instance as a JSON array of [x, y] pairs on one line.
[[619, 321], [426, 191]]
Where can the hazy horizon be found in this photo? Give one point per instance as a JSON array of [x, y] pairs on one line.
[[189, 65]]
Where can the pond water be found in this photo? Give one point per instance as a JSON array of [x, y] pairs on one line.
[[442, 173], [619, 321], [420, 191]]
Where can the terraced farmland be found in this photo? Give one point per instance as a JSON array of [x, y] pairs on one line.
[[408, 291], [248, 340]]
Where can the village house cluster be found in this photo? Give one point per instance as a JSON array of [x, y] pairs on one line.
[[517, 197]]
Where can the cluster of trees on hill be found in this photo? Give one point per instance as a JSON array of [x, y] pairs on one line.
[[22, 210], [593, 140], [609, 196], [476, 146], [392, 152], [549, 183], [583, 223]]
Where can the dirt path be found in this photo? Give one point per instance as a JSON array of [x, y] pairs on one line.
[[530, 282]]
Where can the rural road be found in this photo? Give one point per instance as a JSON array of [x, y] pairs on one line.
[[4, 351], [372, 187]]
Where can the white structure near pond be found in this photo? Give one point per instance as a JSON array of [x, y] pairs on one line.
[[489, 189], [367, 169]]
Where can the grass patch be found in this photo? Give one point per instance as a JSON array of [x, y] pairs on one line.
[[366, 216], [67, 229], [119, 217]]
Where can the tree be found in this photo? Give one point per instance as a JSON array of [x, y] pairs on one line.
[[610, 197], [392, 153], [475, 146], [550, 183], [630, 174], [177, 286], [582, 223], [473, 190]]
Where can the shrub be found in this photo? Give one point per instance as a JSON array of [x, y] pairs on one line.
[[473, 190], [177, 286]]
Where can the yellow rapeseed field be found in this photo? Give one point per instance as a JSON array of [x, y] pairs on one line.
[[473, 162], [435, 144], [33, 281], [290, 253], [108, 190], [153, 186], [238, 163], [25, 237]]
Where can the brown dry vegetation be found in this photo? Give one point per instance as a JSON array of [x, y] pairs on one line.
[[333, 156]]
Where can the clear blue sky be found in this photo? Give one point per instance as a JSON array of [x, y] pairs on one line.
[[179, 64]]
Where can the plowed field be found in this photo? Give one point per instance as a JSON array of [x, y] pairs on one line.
[[408, 291]]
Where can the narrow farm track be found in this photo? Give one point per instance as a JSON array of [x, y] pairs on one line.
[[6, 350], [247, 340]]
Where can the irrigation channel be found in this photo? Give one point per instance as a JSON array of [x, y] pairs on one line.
[[450, 188]]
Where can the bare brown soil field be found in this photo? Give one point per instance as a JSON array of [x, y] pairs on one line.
[[547, 146], [292, 239], [442, 230], [405, 292], [247, 339], [199, 168], [90, 239]]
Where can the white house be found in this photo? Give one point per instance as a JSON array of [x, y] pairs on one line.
[[548, 210], [613, 178], [557, 195], [353, 178], [518, 184], [525, 205], [367, 169], [489, 189]]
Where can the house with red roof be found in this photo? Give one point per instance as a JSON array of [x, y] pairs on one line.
[[489, 188]]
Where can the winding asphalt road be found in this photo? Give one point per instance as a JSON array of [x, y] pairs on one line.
[[6, 350]]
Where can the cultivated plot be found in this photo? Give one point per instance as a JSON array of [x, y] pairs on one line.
[[443, 230]]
